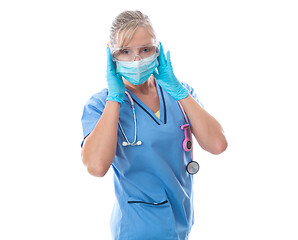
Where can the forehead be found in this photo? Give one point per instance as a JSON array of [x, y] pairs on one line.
[[140, 37]]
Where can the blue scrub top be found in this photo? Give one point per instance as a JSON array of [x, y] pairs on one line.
[[154, 196]]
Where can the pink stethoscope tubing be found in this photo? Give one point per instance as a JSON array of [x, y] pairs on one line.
[[192, 167]]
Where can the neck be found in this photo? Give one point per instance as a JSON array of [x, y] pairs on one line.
[[142, 88]]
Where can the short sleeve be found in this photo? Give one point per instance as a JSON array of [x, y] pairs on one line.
[[192, 93], [92, 112]]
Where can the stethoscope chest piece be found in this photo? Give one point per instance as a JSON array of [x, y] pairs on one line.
[[192, 167]]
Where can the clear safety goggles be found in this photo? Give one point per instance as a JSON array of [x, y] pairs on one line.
[[129, 54]]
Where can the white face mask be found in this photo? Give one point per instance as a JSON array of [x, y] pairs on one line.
[[137, 72]]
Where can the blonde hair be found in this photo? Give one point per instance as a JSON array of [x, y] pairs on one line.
[[124, 26]]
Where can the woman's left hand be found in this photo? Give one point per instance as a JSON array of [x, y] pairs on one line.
[[166, 78]]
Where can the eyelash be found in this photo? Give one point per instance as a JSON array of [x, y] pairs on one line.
[[126, 51]]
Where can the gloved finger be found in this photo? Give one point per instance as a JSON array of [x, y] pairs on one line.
[[155, 74], [110, 64], [169, 59], [161, 58], [119, 77]]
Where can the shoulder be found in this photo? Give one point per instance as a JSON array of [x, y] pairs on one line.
[[187, 86], [192, 92], [95, 104], [98, 99]]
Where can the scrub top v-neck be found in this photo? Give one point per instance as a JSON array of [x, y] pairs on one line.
[[162, 106], [154, 195]]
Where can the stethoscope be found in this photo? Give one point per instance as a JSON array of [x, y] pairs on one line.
[[192, 167]]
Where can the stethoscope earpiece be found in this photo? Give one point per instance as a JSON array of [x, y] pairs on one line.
[[138, 143]]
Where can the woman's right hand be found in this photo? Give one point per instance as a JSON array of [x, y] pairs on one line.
[[115, 83]]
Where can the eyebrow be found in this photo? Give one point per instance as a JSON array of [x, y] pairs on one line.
[[151, 43]]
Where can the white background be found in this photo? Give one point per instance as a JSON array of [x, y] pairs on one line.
[[239, 56]]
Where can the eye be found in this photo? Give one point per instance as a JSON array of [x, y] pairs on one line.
[[146, 49], [125, 51]]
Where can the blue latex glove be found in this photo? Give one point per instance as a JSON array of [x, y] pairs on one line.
[[166, 78], [115, 83]]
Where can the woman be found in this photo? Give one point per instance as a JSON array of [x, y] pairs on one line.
[[154, 198]]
